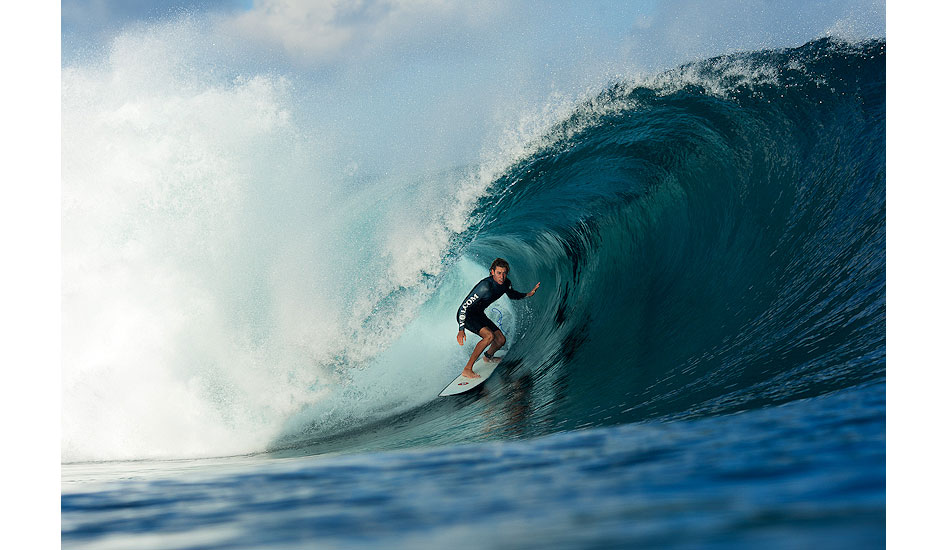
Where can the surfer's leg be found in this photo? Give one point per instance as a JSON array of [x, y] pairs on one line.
[[487, 338], [498, 341]]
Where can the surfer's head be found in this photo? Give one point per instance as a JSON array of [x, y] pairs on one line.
[[499, 270]]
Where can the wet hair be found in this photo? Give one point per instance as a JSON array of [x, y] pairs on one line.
[[500, 263]]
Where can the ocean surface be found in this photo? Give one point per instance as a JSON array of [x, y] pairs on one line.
[[703, 365]]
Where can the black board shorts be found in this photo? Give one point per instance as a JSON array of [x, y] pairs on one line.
[[475, 322]]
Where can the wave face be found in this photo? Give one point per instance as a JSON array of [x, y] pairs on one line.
[[709, 241]]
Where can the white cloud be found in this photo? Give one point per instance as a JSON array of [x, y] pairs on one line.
[[317, 31]]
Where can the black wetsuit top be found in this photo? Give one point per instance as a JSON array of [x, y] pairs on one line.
[[471, 313]]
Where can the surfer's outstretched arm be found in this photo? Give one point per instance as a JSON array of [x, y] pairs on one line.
[[515, 295]]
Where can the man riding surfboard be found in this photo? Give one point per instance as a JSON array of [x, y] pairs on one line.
[[471, 314]]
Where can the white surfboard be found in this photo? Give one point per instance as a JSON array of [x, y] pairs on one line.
[[462, 384]]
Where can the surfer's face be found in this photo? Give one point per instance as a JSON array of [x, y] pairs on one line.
[[499, 274]]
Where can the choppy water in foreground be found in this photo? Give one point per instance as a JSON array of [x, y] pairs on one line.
[[808, 473]]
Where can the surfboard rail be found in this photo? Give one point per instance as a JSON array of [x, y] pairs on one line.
[[462, 384]]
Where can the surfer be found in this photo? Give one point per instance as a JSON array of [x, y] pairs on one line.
[[471, 314]]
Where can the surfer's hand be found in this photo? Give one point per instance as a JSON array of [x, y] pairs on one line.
[[533, 290], [461, 337]]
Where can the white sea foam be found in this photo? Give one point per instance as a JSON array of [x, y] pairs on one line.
[[221, 268]]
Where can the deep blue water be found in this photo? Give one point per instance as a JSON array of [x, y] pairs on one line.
[[807, 473], [704, 367]]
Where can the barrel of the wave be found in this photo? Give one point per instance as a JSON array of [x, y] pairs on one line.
[[710, 241]]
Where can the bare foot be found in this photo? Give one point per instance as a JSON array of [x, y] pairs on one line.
[[491, 359], [470, 374]]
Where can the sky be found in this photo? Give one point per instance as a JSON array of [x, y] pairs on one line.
[[652, 32]]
